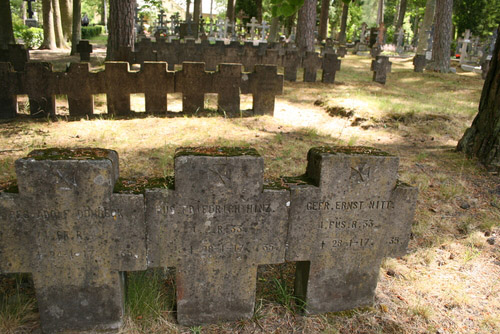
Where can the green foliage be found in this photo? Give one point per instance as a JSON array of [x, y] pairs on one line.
[[353, 21], [91, 31], [285, 8], [32, 37], [480, 16]]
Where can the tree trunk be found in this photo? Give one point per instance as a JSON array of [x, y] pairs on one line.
[[196, 15], [426, 26], [67, 18], [305, 25], [6, 31], [104, 16], [76, 34], [121, 26], [188, 4], [323, 19], [380, 13], [440, 61], [58, 29], [401, 14], [230, 10], [482, 139], [22, 9], [258, 5], [273, 32], [49, 36], [343, 23]]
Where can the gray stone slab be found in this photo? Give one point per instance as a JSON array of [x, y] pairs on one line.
[[419, 63], [39, 85], [227, 83], [352, 215], [331, 64], [193, 82], [79, 85], [8, 99], [380, 67], [67, 228], [120, 83], [216, 227], [156, 82], [264, 83]]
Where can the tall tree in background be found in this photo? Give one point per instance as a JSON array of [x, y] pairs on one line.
[[196, 14], [67, 18], [120, 26], [482, 139], [440, 61], [258, 4], [305, 25], [343, 21], [286, 9], [230, 10], [76, 32], [58, 27], [49, 35], [426, 26], [323, 19], [380, 13], [401, 14], [6, 31]]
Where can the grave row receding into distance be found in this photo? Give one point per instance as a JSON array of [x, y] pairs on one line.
[[215, 224], [79, 84]]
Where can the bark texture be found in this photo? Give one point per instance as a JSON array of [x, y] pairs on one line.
[[196, 15], [305, 25], [58, 27], [426, 26], [76, 34], [67, 18], [323, 19], [343, 23], [121, 26], [380, 13], [482, 139], [49, 36], [6, 31], [230, 10], [440, 61]]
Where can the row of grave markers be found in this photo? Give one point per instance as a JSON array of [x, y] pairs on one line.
[[215, 226], [79, 84], [248, 54]]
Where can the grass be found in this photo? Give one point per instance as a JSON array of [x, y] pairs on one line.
[[448, 281]]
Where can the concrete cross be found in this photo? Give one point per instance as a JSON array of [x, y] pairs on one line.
[[161, 15], [67, 228], [264, 83], [351, 215], [265, 27], [253, 25], [30, 8], [380, 67], [84, 48], [311, 64], [216, 227]]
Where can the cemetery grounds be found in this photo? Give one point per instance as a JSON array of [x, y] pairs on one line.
[[447, 283]]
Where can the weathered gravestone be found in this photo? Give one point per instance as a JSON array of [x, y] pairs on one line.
[[419, 62], [264, 84], [227, 83], [331, 64], [380, 67], [39, 85], [16, 54], [8, 99], [342, 225], [311, 64], [67, 228], [216, 227], [156, 81], [193, 82], [84, 48]]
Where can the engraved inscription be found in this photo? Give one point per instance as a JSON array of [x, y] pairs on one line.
[[349, 205]]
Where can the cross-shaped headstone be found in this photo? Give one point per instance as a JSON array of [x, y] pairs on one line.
[[291, 63], [161, 15], [8, 98], [264, 83], [30, 8], [67, 228], [216, 227], [263, 34], [79, 84], [227, 82], [352, 215], [311, 64], [363, 33], [221, 29], [193, 82], [253, 25], [84, 48], [331, 64], [118, 100], [463, 50], [39, 85], [380, 67], [419, 62], [399, 42]]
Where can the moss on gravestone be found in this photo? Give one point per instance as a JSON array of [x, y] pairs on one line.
[[87, 153], [139, 186], [349, 150], [216, 151]]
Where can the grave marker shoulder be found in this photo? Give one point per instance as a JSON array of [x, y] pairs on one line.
[[193, 82], [331, 64], [227, 82], [39, 85], [156, 82], [8, 99], [118, 100], [264, 83]]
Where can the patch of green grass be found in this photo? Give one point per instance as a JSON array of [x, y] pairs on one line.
[[16, 305]]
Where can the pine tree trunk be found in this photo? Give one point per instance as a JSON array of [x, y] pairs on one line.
[[426, 26], [305, 25], [482, 139], [440, 61], [58, 29], [323, 20], [230, 10], [196, 15], [121, 26], [401, 14], [380, 13], [273, 32], [67, 18], [76, 33], [6, 31], [343, 23], [258, 4], [22, 9], [104, 16], [49, 36]]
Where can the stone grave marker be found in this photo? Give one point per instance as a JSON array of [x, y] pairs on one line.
[[193, 82], [331, 64], [380, 67], [67, 228], [17, 55], [352, 215], [39, 87], [216, 227], [264, 83], [419, 62], [156, 83], [84, 48], [311, 64], [80, 85], [227, 82], [118, 100], [8, 99], [291, 63]]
